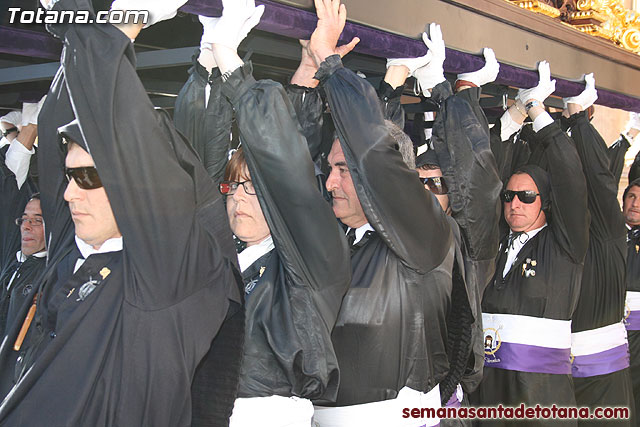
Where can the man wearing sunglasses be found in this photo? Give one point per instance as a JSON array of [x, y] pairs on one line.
[[527, 307], [141, 271]]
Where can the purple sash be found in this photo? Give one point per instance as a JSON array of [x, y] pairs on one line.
[[605, 362], [632, 322], [530, 358]]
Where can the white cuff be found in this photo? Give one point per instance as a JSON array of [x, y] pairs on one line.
[[542, 121], [17, 160], [508, 126]]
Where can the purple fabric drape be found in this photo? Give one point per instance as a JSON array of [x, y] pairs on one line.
[[16, 41], [297, 23]]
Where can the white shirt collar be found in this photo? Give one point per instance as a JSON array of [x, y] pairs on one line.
[[360, 231], [252, 253], [111, 245], [517, 244], [22, 258], [4, 141]]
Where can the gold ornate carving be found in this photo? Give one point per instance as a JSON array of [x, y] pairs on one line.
[[539, 7], [607, 19]]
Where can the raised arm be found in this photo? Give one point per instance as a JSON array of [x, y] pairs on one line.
[[304, 230], [201, 113], [153, 179], [461, 142], [607, 221], [393, 199], [307, 102], [569, 213]]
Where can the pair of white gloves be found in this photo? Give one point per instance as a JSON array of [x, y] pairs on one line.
[[546, 87], [429, 71], [238, 18]]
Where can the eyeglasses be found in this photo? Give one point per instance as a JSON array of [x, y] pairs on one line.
[[33, 222], [525, 196], [86, 177], [436, 185], [228, 188]]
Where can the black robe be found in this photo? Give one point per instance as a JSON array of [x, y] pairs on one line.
[[558, 251], [207, 127], [602, 293], [399, 274], [126, 353], [461, 140], [308, 273]]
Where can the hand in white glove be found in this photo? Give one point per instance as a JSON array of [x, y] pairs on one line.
[[432, 73], [30, 112], [412, 63], [633, 123], [158, 10], [588, 95], [208, 29], [486, 74], [238, 18], [545, 86]]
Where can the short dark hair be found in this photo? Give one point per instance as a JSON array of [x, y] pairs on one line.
[[34, 196], [235, 166], [634, 183]]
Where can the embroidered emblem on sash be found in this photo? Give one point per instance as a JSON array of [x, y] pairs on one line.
[[492, 343], [627, 313]]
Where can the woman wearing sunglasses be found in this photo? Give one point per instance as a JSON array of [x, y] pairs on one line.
[[527, 307], [294, 259]]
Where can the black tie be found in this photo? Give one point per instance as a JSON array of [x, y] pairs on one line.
[[634, 234], [351, 237]]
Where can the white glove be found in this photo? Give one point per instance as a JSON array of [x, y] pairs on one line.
[[633, 123], [486, 74], [545, 86], [208, 27], [432, 73], [238, 18], [30, 112], [158, 10], [411, 63], [13, 117], [588, 95]]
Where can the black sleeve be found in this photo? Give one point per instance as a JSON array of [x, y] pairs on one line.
[[305, 232], [155, 183], [309, 107], [509, 154], [12, 206], [207, 127], [569, 212], [56, 111], [607, 221], [392, 197], [461, 142], [390, 102], [616, 153], [634, 170]]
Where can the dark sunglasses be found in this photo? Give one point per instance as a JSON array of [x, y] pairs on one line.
[[86, 177], [8, 131], [436, 185], [525, 196], [228, 188]]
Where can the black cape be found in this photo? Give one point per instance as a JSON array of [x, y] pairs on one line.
[[125, 354]]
